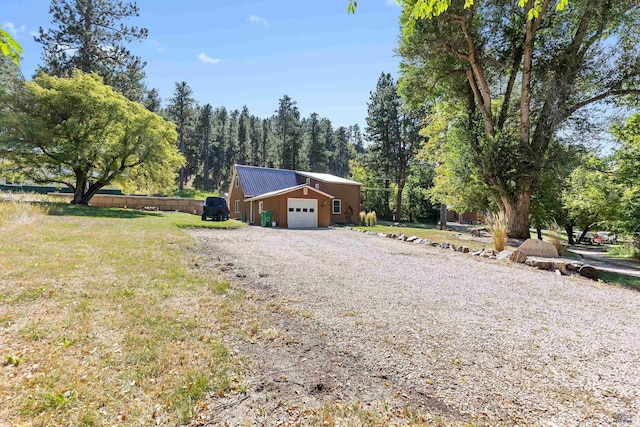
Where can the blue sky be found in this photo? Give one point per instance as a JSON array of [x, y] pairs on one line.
[[249, 52]]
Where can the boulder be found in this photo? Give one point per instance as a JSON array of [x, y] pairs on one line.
[[589, 272], [383, 234], [504, 255], [535, 247], [411, 239], [477, 253], [426, 242], [417, 241], [517, 256], [540, 263]]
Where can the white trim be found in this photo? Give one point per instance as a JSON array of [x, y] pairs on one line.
[[285, 191], [333, 206], [308, 181], [317, 186], [305, 191], [260, 206], [251, 213], [237, 206]]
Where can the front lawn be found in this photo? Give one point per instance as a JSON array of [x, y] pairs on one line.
[[107, 319]]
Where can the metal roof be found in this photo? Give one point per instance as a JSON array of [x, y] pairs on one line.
[[327, 177], [256, 180]]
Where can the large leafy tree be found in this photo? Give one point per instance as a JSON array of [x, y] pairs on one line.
[[81, 133], [520, 71], [9, 47], [627, 165], [590, 197], [89, 35]]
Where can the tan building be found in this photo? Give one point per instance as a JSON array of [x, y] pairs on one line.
[[296, 199]]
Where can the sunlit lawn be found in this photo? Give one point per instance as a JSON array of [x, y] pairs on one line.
[[105, 320]]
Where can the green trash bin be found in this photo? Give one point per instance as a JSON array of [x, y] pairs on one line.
[[265, 217]]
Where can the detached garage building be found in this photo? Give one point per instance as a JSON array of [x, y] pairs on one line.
[[297, 199]]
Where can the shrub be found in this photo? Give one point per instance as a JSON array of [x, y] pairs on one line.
[[363, 218], [497, 225]]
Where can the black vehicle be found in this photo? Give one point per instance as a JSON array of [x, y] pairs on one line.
[[215, 208]]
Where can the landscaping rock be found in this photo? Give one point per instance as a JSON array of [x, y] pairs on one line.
[[540, 263], [477, 253], [453, 247], [488, 253], [417, 241], [402, 237], [383, 235], [392, 236], [589, 272], [411, 239], [517, 256], [426, 242], [504, 255], [535, 247]]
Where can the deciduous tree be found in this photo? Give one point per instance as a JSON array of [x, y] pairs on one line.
[[81, 133]]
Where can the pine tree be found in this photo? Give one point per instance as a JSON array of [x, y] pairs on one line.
[[231, 148], [266, 138], [152, 100], [288, 131], [88, 35], [255, 139], [341, 154], [242, 157], [317, 150], [181, 112], [204, 136]]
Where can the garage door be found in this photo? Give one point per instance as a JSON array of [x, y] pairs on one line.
[[302, 213]]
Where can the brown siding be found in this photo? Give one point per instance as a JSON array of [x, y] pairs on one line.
[[349, 195], [324, 206], [236, 193]]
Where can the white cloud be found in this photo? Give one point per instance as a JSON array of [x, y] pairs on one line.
[[391, 3], [157, 45], [255, 19], [206, 59], [13, 29]]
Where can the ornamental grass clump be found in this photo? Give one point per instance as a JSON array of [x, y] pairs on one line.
[[363, 218], [497, 225], [371, 219], [554, 235]]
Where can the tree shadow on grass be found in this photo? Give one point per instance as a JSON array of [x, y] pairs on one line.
[[64, 209]]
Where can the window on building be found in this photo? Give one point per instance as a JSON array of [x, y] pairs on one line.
[[260, 207], [308, 181], [337, 206], [237, 206], [237, 181], [305, 191], [317, 186]]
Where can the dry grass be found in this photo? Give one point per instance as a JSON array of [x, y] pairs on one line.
[[110, 323], [555, 235], [18, 211], [497, 226], [371, 219]]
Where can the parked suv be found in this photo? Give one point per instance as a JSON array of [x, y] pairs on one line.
[[215, 208]]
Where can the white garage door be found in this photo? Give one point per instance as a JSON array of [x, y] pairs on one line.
[[302, 213]]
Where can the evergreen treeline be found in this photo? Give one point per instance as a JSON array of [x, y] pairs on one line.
[[214, 139]]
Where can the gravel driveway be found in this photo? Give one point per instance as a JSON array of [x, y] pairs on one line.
[[465, 339]]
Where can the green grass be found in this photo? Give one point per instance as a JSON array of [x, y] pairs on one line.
[[620, 279], [109, 317]]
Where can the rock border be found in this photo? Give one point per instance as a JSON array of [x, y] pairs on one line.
[[561, 266]]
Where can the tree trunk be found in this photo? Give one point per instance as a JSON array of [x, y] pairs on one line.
[[399, 204], [443, 216], [517, 215], [569, 229], [387, 208]]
